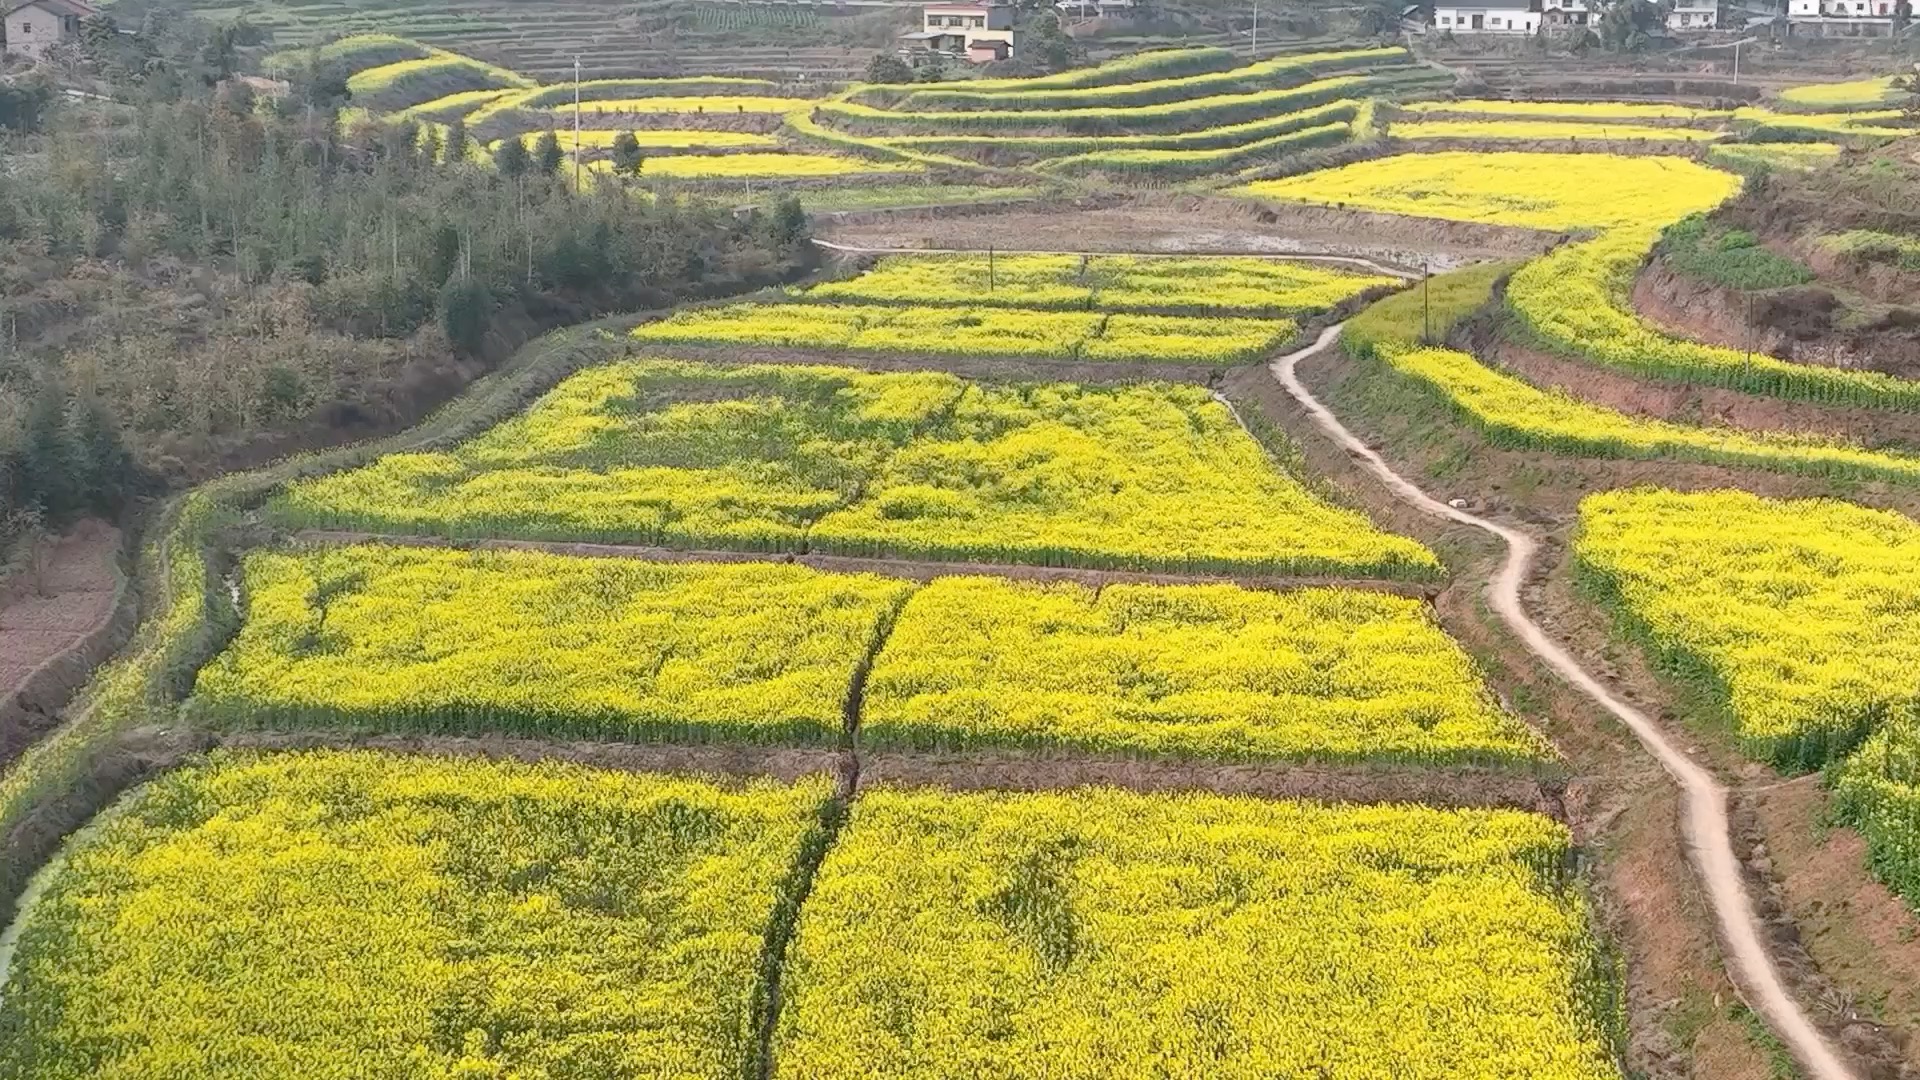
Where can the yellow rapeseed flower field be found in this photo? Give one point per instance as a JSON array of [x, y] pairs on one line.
[[1799, 618], [545, 646], [360, 916], [1213, 672], [769, 165], [1530, 190], [977, 331], [923, 465], [1568, 110], [1573, 130], [1799, 614], [1853, 93], [1095, 934], [1574, 299]]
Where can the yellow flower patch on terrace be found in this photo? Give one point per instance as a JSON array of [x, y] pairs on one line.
[[977, 331], [1213, 672], [1099, 933], [1530, 190], [921, 465], [603, 139], [771, 166], [1571, 130], [1801, 613], [729, 103], [1799, 619], [545, 646], [1104, 282], [328, 914], [1853, 93], [1574, 299], [1568, 110]]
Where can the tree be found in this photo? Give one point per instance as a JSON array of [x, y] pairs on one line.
[[1629, 25], [1902, 15], [457, 142], [102, 466], [787, 225], [1379, 18], [888, 69], [22, 104], [547, 154], [47, 453], [512, 159], [1047, 48], [625, 153], [465, 306]]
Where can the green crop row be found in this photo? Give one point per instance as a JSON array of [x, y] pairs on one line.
[[1173, 165], [1733, 258], [398, 86], [1139, 67], [1278, 73], [1011, 149], [1173, 117], [549, 97]]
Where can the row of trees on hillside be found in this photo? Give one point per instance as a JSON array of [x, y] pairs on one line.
[[304, 247]]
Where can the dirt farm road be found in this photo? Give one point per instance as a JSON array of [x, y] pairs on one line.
[[1708, 830]]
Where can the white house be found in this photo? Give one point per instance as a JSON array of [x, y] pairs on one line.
[[1562, 13], [1840, 18], [31, 27], [1489, 17], [979, 32], [1694, 15]]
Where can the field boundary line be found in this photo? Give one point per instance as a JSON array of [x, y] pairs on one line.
[[1289, 256], [1706, 825], [920, 570]]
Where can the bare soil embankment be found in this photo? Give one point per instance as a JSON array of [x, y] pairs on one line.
[[1206, 225], [59, 617]]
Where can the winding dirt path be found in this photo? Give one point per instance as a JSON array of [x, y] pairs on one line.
[[1708, 831]]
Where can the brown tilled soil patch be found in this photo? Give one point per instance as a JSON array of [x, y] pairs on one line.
[[1207, 225], [1690, 404], [57, 619], [1862, 935], [1015, 771], [720, 760]]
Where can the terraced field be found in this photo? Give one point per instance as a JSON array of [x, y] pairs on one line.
[[960, 665]]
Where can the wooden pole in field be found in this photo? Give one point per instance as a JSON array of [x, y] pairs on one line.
[[1426, 306], [576, 123]]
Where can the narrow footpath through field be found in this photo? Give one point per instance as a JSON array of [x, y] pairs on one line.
[[1708, 829]]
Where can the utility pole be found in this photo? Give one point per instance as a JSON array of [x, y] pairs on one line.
[[576, 122], [1736, 63], [1426, 306], [1749, 360], [1256, 30], [989, 269]]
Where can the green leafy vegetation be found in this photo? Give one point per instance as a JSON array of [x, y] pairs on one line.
[[1731, 257]]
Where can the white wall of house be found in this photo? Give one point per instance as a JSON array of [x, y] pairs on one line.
[[1694, 17], [1486, 20], [32, 30]]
